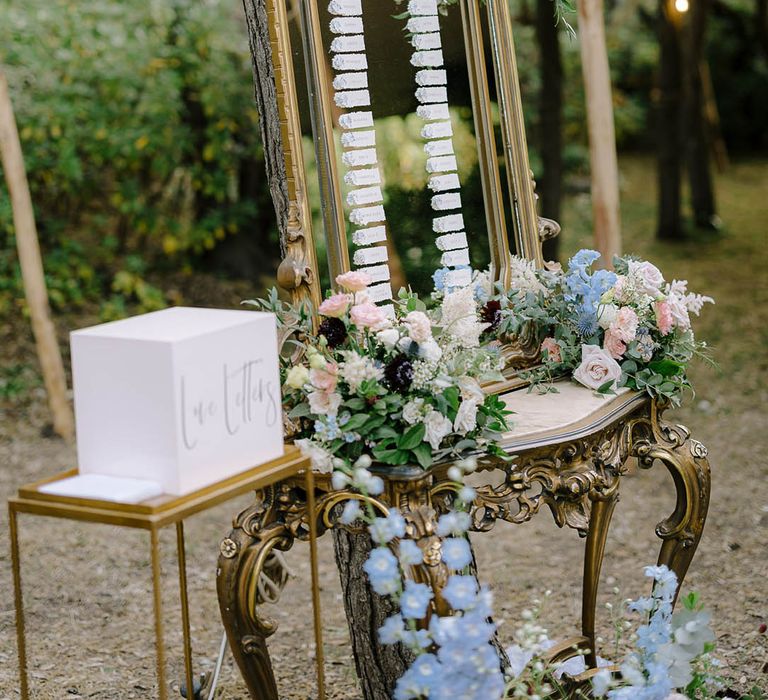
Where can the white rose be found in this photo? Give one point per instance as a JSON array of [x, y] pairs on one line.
[[646, 277], [679, 310], [419, 326], [297, 377], [466, 417], [388, 338], [430, 351], [606, 315], [471, 390], [597, 367], [438, 426]]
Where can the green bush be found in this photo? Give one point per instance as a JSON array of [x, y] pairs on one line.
[[139, 132]]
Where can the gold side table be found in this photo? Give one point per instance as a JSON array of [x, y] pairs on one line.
[[153, 515]]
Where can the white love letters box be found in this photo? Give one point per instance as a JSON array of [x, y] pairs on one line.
[[184, 397]]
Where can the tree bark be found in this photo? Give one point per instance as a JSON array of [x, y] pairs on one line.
[[550, 118], [697, 144], [668, 124]]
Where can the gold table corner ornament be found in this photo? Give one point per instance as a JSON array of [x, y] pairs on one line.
[[575, 472], [153, 515]]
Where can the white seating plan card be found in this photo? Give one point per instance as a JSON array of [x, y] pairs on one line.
[[104, 488]]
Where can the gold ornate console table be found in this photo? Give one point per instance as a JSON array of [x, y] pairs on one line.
[[569, 460], [153, 515]]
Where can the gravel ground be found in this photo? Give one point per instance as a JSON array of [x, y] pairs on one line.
[[88, 587]]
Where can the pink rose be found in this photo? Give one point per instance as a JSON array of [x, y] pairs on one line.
[[419, 326], [354, 281], [368, 315], [614, 344], [335, 306], [624, 326], [325, 379], [552, 349], [647, 277], [663, 317], [597, 368]]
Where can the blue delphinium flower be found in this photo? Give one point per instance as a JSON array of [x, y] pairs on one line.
[[415, 599], [455, 522], [410, 553], [461, 592], [383, 571], [384, 530], [417, 639], [392, 630], [438, 278], [456, 553]]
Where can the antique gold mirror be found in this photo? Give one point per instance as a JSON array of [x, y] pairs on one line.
[[402, 130]]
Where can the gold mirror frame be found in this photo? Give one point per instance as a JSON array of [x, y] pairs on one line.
[[525, 227]]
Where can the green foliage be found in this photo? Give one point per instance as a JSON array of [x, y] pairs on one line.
[[140, 137]]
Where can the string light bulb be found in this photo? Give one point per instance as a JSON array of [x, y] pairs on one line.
[[681, 6]]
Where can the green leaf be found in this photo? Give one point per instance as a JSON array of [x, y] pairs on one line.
[[451, 395], [666, 368], [357, 421], [423, 454], [299, 410], [412, 437], [356, 404], [605, 387], [385, 431]]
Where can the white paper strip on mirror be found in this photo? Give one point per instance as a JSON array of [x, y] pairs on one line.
[[356, 80], [346, 7], [363, 176], [347, 25], [380, 292], [365, 195], [377, 273], [368, 236], [358, 138], [432, 93]]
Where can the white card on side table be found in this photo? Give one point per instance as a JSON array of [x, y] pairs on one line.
[[183, 397]]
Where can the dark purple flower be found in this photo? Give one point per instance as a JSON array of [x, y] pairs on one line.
[[491, 313], [399, 374], [334, 330]]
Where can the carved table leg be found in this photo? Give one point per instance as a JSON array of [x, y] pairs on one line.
[[603, 506], [245, 555], [686, 461]]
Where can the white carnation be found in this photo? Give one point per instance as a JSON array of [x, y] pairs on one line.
[[413, 411], [430, 351], [437, 427]]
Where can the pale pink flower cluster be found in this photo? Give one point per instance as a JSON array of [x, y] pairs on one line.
[[419, 326], [552, 348], [621, 331], [335, 306]]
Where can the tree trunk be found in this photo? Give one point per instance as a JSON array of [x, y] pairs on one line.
[[550, 118], [668, 124], [697, 145], [602, 137]]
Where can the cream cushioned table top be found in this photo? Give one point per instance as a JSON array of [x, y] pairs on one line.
[[573, 409]]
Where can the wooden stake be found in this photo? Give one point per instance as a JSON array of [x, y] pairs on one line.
[[602, 137], [32, 267]]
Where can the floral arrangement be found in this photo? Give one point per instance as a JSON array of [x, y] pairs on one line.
[[628, 328], [400, 388]]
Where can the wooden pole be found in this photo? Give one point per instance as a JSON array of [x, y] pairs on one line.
[[602, 137], [32, 267]]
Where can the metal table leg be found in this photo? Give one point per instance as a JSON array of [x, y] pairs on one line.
[[21, 637]]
